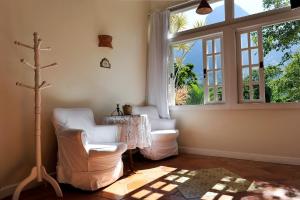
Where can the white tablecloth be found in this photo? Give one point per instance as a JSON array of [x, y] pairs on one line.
[[135, 130]]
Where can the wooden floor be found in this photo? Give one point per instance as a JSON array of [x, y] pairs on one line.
[[284, 179]]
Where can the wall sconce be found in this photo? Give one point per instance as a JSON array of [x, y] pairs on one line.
[[105, 41]]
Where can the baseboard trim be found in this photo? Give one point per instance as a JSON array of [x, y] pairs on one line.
[[8, 190], [241, 155]]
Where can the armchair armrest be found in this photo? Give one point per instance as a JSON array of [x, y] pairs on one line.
[[103, 134], [162, 124], [73, 141]]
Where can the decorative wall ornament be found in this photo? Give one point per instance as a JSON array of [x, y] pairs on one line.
[[105, 63], [105, 41]]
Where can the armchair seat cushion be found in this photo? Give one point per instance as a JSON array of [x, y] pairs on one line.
[[162, 124], [164, 135], [101, 150]]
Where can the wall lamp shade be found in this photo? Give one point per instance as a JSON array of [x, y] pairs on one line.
[[105, 41], [295, 4], [203, 8]]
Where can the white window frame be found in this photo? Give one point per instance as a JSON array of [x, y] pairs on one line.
[[214, 70], [261, 81], [171, 87], [231, 74]]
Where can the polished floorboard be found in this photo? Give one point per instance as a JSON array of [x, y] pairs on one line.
[[280, 181]]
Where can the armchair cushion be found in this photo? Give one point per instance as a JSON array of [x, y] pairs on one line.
[[97, 150], [75, 118], [163, 136], [162, 124], [103, 134]]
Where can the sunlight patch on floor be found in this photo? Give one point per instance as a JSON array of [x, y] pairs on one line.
[[141, 178], [158, 184], [141, 194], [169, 187], [209, 196]]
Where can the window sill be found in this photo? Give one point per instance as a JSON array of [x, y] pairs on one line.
[[244, 106]]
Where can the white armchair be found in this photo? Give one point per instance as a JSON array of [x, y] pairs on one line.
[[163, 134], [89, 156]]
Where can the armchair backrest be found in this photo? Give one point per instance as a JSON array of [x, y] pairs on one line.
[[73, 118], [156, 122], [150, 111]]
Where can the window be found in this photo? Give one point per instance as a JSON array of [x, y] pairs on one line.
[[244, 8], [198, 71], [254, 59], [270, 63], [281, 50], [213, 71], [251, 70], [187, 18], [188, 72]]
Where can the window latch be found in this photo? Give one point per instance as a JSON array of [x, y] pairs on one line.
[[171, 75], [261, 65], [204, 73]]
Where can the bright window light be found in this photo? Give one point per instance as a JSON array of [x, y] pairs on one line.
[[244, 8]]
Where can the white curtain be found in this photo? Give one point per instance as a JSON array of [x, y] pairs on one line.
[[157, 73]]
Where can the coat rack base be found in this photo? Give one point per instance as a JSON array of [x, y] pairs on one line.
[[34, 175]]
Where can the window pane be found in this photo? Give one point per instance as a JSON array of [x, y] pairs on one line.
[[217, 45], [214, 69], [256, 92], [189, 19], [220, 94], [218, 63], [188, 72], [245, 58], [211, 94], [281, 44], [246, 92], [211, 80], [219, 77], [254, 56], [254, 39], [209, 62], [209, 47], [244, 40], [255, 73], [245, 74], [249, 7]]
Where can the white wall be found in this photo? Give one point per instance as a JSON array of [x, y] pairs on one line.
[[266, 132], [70, 27]]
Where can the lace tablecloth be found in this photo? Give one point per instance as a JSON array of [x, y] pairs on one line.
[[135, 129]]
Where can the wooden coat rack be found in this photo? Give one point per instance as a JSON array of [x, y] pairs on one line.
[[38, 172]]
